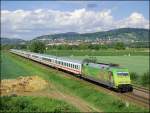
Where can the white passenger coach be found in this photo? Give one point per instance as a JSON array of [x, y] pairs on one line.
[[69, 65]]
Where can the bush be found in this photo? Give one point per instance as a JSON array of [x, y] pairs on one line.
[[134, 76], [37, 47], [145, 79], [33, 104], [119, 104], [119, 46]]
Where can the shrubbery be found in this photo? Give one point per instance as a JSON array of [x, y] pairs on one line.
[[145, 79], [33, 104], [134, 76], [140, 79]]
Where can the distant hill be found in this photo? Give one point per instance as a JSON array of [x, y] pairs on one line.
[[11, 41], [122, 34]]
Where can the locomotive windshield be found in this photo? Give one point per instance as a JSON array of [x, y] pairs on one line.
[[122, 73]]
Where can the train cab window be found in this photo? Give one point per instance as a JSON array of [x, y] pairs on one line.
[[122, 73]]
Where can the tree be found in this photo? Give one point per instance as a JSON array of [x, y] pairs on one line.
[[37, 47], [119, 45]]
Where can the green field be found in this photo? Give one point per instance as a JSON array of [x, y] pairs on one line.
[[105, 52], [13, 66], [138, 64]]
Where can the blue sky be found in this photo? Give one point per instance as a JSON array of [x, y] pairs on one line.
[[120, 9], [91, 16]]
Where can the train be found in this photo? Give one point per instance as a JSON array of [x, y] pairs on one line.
[[110, 75]]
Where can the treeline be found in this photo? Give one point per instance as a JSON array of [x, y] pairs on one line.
[[40, 47], [84, 46]]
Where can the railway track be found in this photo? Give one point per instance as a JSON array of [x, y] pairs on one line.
[[139, 88], [140, 95], [138, 99]]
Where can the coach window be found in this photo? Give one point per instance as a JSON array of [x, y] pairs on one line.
[[76, 66]]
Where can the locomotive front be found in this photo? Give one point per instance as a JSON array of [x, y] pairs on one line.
[[122, 80]]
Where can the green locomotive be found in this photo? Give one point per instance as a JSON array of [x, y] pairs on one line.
[[110, 75]]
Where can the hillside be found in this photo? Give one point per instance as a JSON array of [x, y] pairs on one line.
[[123, 34], [11, 41]]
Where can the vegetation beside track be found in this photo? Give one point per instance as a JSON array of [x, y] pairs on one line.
[[34, 104], [100, 100]]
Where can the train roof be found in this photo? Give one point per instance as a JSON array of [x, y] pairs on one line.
[[54, 57], [105, 66], [63, 58]]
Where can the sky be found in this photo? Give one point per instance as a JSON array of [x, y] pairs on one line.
[[29, 19]]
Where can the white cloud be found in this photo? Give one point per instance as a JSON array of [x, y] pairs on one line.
[[134, 20], [25, 23]]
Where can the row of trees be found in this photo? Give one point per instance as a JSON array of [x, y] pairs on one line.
[[40, 47], [83, 46]]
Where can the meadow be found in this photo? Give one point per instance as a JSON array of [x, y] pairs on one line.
[[98, 99], [101, 52]]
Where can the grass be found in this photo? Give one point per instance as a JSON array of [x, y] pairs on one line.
[[105, 102], [107, 52], [11, 68], [34, 104]]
